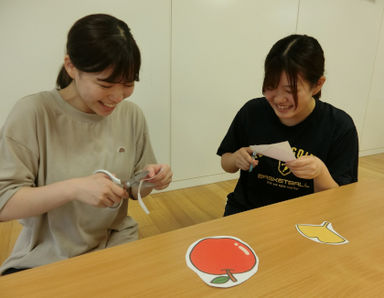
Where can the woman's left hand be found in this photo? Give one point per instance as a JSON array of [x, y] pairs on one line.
[[306, 167], [160, 175]]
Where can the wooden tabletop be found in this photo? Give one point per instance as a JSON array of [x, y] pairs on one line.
[[290, 264]]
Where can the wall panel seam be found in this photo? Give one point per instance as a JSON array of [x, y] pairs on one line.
[[365, 114], [298, 15]]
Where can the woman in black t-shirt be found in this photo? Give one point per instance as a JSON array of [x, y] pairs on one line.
[[323, 138]]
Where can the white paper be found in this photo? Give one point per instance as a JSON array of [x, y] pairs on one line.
[[222, 261], [148, 184], [280, 151], [141, 202]]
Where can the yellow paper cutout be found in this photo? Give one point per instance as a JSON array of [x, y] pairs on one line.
[[323, 233]]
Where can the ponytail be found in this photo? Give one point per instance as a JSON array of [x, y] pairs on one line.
[[63, 79], [317, 95]]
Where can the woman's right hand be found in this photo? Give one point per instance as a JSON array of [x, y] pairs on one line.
[[243, 158], [240, 159], [98, 190]]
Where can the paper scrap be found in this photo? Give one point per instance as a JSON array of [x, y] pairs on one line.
[[280, 151], [141, 202], [145, 183]]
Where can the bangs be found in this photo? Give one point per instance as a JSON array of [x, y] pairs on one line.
[[273, 70], [125, 69], [125, 66], [292, 73]]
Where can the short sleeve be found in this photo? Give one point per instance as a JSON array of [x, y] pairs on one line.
[[18, 161], [342, 161], [234, 138]]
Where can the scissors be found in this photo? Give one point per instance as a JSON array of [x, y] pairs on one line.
[[126, 184], [254, 157]]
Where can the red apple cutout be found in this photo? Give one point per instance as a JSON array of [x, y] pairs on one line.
[[223, 256]]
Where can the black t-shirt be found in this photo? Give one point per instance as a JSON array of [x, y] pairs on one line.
[[328, 133]]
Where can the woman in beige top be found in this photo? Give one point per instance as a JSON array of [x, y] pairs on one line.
[[53, 141]]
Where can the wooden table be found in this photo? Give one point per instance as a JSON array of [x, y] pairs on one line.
[[290, 265]]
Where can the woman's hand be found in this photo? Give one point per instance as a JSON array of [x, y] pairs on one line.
[[306, 167], [311, 167], [160, 175], [98, 190], [240, 159]]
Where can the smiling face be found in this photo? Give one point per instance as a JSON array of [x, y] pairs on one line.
[[98, 96], [90, 93], [283, 103]]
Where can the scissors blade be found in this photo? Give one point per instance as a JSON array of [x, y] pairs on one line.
[[136, 179]]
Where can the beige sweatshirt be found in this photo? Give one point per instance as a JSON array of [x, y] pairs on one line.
[[45, 140]]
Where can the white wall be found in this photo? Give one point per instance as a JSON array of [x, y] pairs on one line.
[[349, 32], [372, 136], [202, 60], [218, 49], [33, 37]]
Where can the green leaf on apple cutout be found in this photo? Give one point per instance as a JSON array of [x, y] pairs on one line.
[[220, 280]]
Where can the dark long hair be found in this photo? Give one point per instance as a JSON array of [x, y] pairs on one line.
[[295, 55], [98, 41]]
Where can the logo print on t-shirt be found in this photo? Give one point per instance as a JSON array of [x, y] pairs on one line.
[[283, 169], [121, 149]]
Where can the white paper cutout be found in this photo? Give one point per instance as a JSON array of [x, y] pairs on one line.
[[141, 202], [222, 261], [146, 184], [323, 233], [280, 151]]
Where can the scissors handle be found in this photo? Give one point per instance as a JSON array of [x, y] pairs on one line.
[[253, 157], [138, 179], [110, 175], [114, 180]]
